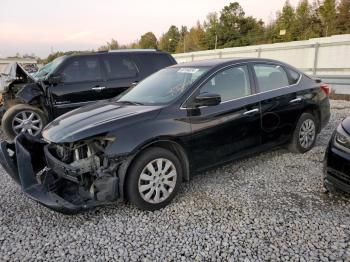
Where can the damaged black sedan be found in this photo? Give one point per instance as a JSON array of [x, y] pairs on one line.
[[183, 119]]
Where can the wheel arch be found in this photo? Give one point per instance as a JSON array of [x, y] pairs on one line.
[[169, 144], [316, 112]]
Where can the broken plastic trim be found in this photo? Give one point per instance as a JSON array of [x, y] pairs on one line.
[[23, 167]]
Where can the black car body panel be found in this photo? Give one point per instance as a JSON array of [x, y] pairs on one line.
[[337, 162], [30, 92], [100, 118], [68, 87], [107, 136]]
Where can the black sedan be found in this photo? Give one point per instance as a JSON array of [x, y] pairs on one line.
[[183, 119], [337, 160]]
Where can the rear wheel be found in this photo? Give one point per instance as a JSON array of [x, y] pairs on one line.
[[22, 118], [154, 179], [304, 135]]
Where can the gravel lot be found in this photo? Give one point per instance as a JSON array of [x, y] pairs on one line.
[[268, 207]]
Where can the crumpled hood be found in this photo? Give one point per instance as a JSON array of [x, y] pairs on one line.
[[10, 74], [346, 125], [96, 119]]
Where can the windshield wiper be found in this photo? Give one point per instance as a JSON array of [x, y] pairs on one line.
[[131, 103]]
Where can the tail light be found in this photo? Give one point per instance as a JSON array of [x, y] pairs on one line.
[[326, 89]]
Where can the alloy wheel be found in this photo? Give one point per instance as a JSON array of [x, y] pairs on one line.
[[307, 133], [27, 122], [157, 180]]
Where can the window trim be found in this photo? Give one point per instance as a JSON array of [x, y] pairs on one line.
[[67, 63], [128, 56], [247, 74], [256, 91], [275, 64], [182, 107]]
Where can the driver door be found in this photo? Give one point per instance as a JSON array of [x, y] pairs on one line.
[[221, 132], [82, 84]]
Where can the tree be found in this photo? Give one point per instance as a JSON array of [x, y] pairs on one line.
[[328, 15], [343, 18], [286, 21], [211, 27], [109, 46], [307, 25], [231, 18], [192, 40], [148, 40], [169, 41]]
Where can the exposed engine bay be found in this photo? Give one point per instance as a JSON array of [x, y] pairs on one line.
[[67, 178], [84, 166]]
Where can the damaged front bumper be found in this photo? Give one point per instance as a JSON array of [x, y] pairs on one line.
[[50, 182]]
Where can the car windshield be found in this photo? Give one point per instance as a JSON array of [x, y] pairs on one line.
[[162, 87], [48, 68]]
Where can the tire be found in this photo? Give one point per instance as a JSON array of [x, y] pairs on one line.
[[302, 145], [151, 182], [23, 111]]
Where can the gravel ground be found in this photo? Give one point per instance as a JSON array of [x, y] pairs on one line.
[[268, 207]]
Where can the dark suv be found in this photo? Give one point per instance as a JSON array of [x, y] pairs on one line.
[[181, 120], [70, 82]]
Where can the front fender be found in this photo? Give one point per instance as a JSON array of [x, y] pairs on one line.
[[29, 93], [129, 141]]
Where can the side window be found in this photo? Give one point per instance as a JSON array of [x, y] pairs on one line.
[[293, 76], [119, 66], [82, 69], [153, 62], [230, 84], [270, 77]]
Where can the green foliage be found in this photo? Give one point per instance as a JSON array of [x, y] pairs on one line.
[[328, 14], [169, 41], [343, 18], [191, 41], [307, 24], [113, 45], [211, 28], [231, 27], [148, 40]]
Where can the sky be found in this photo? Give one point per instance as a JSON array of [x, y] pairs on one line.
[[42, 26]]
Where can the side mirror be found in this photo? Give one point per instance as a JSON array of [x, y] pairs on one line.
[[55, 79], [207, 99]]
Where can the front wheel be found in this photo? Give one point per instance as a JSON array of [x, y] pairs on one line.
[[304, 135], [22, 118], [154, 179]]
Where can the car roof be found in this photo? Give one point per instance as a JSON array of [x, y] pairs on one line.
[[118, 51], [223, 61]]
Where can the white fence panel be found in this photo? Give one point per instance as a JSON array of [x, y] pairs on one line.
[[328, 58]]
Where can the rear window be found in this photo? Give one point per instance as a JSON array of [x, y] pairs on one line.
[[119, 66], [294, 76], [153, 62]]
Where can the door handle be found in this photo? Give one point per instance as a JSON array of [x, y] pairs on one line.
[[98, 88], [297, 100], [250, 112]]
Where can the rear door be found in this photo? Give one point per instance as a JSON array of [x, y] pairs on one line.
[[82, 81], [220, 132], [281, 103], [121, 72]]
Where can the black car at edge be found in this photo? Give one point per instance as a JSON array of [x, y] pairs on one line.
[[181, 120], [71, 81], [337, 159]]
